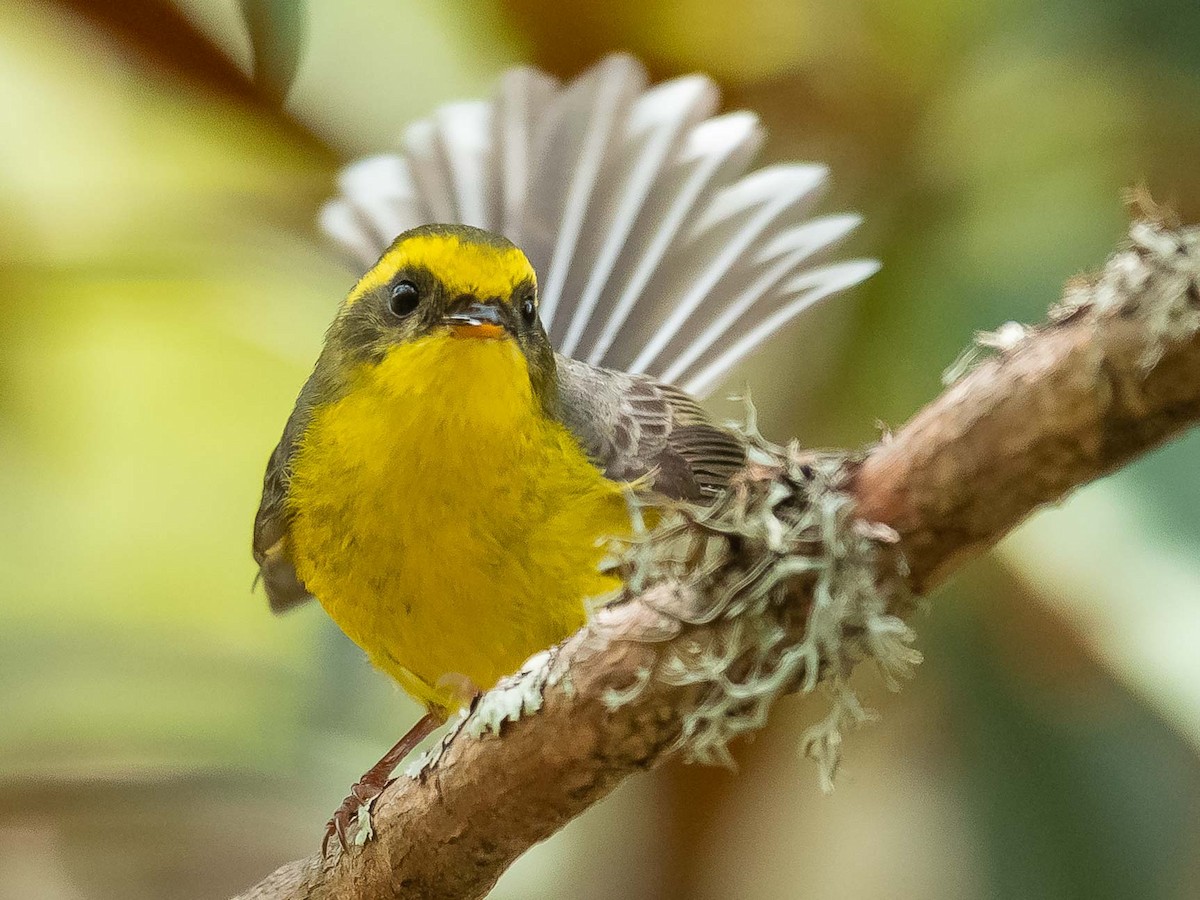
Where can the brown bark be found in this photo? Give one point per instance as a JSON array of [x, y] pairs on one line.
[[1114, 373]]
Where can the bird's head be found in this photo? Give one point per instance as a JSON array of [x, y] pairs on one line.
[[450, 282]]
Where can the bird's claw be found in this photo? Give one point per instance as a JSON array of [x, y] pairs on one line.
[[356, 810]]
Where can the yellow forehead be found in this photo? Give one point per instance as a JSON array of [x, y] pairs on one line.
[[464, 267]]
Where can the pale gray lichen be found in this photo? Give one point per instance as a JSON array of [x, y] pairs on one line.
[[515, 696], [739, 564], [562, 677], [430, 757], [1156, 281], [1004, 339], [615, 698], [365, 829]]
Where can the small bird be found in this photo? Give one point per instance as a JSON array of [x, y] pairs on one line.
[[495, 388]]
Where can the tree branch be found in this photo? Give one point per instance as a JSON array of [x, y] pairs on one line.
[[727, 610]]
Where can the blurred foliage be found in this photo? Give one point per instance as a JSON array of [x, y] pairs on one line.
[[164, 294], [276, 31]]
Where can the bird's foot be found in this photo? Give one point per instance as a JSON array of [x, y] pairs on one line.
[[355, 810]]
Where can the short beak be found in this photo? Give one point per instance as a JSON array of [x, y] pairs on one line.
[[477, 320]]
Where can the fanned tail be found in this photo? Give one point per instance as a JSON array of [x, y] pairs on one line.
[[656, 252]]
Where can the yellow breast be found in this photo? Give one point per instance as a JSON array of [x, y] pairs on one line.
[[444, 522]]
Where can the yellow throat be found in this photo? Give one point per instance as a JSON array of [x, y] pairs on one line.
[[444, 521]]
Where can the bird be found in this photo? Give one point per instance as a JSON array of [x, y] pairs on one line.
[[550, 283]]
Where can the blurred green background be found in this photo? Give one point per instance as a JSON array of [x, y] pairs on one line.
[[164, 292]]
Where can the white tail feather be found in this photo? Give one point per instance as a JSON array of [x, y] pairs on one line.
[[382, 188], [717, 151], [524, 93], [601, 101], [657, 126], [655, 252], [339, 220], [819, 284], [738, 217], [465, 131], [783, 256]]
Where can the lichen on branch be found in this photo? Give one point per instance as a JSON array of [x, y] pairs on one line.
[[785, 527]]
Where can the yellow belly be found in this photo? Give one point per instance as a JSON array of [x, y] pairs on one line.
[[444, 522]]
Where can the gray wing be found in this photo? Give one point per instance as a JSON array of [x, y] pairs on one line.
[[656, 252], [269, 544], [632, 426]]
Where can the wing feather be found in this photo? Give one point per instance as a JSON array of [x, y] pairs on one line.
[[716, 151], [738, 217], [658, 125], [430, 166], [634, 427], [352, 231], [269, 543], [466, 137], [524, 93], [633, 205], [760, 291], [804, 291], [581, 133]]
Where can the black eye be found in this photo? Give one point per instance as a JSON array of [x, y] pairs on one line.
[[404, 298], [528, 310]]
